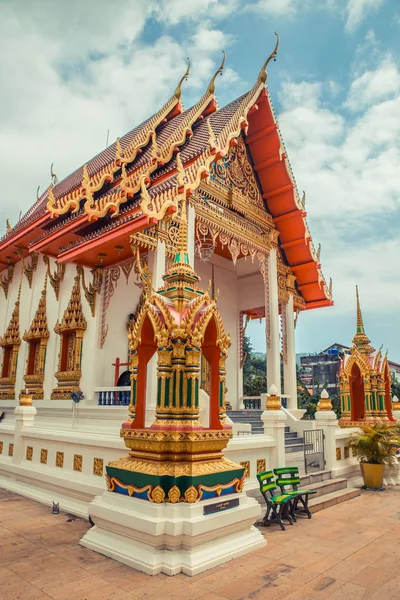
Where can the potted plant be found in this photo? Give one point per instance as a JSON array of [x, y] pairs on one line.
[[375, 447]]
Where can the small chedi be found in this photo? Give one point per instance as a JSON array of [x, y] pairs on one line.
[[176, 459], [364, 381]]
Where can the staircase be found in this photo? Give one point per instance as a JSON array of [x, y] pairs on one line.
[[293, 443], [328, 491]]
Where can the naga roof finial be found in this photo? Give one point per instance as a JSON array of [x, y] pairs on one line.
[[54, 178], [211, 85], [178, 90], [37, 192], [262, 77]]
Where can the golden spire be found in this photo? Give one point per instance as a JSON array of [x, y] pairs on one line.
[[182, 237], [360, 339], [211, 85], [178, 91], [262, 76]]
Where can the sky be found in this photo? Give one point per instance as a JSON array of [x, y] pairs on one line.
[[74, 73]]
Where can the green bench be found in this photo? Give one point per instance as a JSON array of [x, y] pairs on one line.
[[288, 480], [278, 505]]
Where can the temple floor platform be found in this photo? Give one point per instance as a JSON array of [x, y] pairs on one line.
[[351, 550]]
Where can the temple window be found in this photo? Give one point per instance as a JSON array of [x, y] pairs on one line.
[[37, 337], [10, 343], [71, 330]]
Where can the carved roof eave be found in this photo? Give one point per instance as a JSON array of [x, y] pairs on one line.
[[90, 184]]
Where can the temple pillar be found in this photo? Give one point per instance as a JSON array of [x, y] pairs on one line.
[[156, 264], [289, 366], [272, 314]]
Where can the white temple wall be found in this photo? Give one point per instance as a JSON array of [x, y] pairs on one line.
[[123, 302], [251, 292], [226, 286], [53, 315]]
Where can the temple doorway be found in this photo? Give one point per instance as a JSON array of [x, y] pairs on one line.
[[357, 394]]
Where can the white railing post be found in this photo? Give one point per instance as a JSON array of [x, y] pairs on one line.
[[326, 419], [24, 417], [274, 420]]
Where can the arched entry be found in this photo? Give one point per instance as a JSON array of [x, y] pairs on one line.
[[211, 353], [357, 394], [146, 349]]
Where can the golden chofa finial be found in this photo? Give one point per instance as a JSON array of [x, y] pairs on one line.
[[211, 85], [178, 91], [262, 77]]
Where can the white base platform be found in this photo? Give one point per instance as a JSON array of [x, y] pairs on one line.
[[172, 538]]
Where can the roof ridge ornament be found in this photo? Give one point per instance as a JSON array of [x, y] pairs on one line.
[[262, 76], [178, 90], [211, 85]]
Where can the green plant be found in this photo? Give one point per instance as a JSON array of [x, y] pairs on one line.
[[376, 444]]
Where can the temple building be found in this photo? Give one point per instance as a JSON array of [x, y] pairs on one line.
[[364, 381], [71, 260], [104, 246]]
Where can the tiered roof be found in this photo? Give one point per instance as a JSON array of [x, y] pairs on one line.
[[134, 182], [11, 336], [73, 317], [39, 329]]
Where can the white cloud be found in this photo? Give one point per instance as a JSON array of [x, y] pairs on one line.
[[358, 10], [352, 11], [272, 8], [74, 72], [349, 166], [373, 86]]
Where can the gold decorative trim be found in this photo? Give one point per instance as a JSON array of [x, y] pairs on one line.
[[94, 287], [10, 449], [111, 277], [246, 465], [37, 337], [1, 447], [28, 270], [71, 330], [29, 453], [57, 277], [60, 459], [98, 467], [261, 465], [10, 343], [338, 454], [43, 456], [5, 281], [77, 462]]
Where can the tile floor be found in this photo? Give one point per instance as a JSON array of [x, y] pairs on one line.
[[351, 550]]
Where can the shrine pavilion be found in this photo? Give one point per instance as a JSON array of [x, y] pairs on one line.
[[70, 266]]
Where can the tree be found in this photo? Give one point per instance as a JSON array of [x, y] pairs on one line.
[[310, 401], [254, 371]]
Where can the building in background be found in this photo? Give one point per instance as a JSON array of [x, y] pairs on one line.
[[316, 370]]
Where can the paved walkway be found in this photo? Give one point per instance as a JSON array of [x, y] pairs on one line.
[[348, 551]]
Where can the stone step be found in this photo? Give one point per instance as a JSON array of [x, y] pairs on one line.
[[327, 500], [287, 428], [294, 448], [292, 441], [326, 487], [310, 478], [290, 435]]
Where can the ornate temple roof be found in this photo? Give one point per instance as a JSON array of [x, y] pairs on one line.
[[131, 184]]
